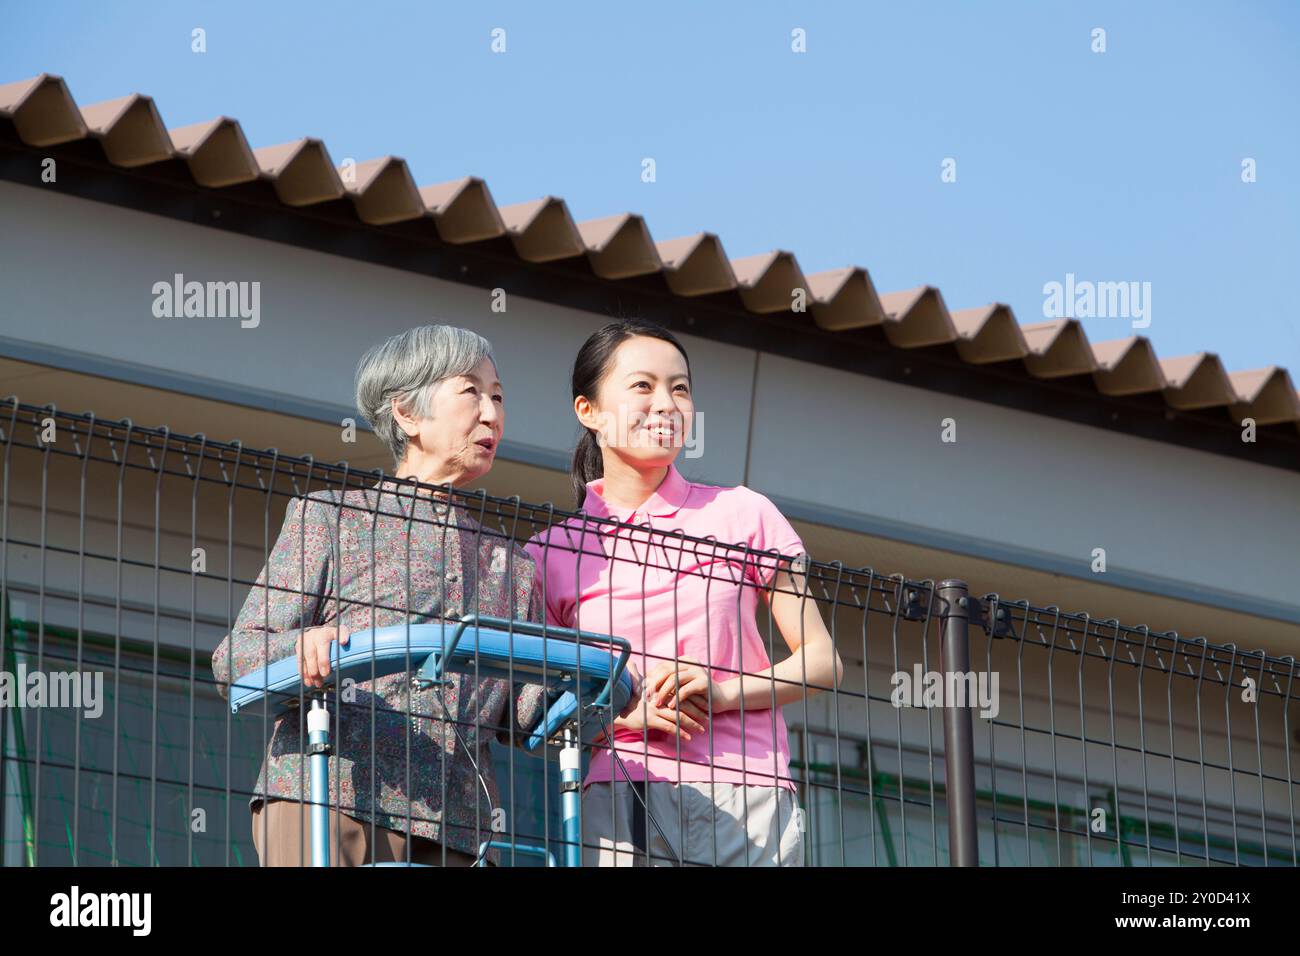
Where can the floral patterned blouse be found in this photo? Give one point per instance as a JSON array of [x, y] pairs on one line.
[[349, 565]]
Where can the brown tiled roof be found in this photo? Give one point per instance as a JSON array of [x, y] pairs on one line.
[[383, 192]]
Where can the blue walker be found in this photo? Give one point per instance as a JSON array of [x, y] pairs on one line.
[[578, 669]]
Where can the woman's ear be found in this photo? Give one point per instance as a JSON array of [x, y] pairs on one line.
[[405, 421], [586, 413]]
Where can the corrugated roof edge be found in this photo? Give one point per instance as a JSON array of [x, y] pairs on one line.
[[384, 192]]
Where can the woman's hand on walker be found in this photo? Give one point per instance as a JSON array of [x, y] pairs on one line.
[[634, 701], [313, 651]]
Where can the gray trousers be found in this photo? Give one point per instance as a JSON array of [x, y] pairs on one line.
[[694, 824]]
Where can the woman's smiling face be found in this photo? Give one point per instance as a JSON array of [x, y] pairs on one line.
[[459, 438], [643, 410]]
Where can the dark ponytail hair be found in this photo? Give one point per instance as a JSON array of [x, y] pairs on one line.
[[589, 368]]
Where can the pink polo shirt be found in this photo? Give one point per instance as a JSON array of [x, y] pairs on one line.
[[677, 599]]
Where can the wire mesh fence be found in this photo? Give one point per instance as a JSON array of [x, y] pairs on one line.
[[788, 710]]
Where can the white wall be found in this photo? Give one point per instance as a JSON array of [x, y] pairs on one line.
[[1025, 481], [75, 290]]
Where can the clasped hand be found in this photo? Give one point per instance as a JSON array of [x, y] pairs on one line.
[[677, 699]]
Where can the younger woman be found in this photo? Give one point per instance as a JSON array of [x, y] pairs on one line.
[[698, 772]]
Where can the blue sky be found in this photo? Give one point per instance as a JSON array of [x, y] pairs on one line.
[[1115, 166]]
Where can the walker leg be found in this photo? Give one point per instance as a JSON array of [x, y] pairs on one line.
[[570, 798], [318, 738]]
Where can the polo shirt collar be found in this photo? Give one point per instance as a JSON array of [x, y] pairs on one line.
[[664, 502]]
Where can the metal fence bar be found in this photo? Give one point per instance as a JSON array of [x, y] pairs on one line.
[[959, 750]]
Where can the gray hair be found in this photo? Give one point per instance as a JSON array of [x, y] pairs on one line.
[[407, 367]]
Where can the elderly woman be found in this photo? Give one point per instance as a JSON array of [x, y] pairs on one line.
[[433, 396]]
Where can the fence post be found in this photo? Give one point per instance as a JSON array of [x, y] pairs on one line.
[[958, 737]]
